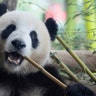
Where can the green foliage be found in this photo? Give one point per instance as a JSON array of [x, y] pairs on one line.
[[77, 37], [33, 6], [1, 0]]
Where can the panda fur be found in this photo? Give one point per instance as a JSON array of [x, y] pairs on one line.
[[23, 33]]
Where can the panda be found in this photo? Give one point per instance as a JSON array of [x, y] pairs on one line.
[[22, 33]]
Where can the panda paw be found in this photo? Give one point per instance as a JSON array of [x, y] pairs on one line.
[[78, 89]]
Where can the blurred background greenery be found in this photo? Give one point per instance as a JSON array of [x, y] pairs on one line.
[[76, 19]]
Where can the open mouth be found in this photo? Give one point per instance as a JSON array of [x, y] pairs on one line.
[[13, 58]]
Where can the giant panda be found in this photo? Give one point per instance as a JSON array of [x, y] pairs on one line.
[[22, 33]]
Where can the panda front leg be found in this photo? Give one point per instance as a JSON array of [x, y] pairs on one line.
[[78, 89]]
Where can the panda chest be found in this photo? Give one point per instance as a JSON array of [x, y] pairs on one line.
[[36, 91], [5, 90], [26, 91], [29, 88], [16, 86]]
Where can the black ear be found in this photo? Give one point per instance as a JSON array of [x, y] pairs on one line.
[[52, 28], [3, 9]]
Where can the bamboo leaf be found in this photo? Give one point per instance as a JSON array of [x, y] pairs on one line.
[[67, 21], [76, 15], [89, 6], [89, 20], [87, 2]]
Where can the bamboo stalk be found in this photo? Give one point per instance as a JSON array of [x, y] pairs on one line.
[[79, 61], [58, 82], [65, 68]]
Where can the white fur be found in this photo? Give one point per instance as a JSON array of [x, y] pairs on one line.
[[25, 23], [4, 90], [37, 91]]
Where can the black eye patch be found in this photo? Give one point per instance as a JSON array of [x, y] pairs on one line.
[[6, 32], [34, 39]]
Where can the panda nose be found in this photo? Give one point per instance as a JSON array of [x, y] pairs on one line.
[[18, 44]]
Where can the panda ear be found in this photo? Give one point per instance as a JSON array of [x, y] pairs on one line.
[[52, 28], [3, 9]]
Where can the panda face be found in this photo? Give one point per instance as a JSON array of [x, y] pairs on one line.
[[16, 45], [22, 34]]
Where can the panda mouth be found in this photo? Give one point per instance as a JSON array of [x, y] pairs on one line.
[[13, 58]]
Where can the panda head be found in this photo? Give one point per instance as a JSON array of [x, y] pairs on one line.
[[21, 33]]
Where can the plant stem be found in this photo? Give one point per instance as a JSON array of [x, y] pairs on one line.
[[58, 82], [79, 61], [65, 68]]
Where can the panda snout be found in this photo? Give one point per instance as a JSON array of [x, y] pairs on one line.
[[18, 44]]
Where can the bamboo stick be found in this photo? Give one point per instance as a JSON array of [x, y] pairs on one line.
[[65, 68], [58, 82], [80, 62]]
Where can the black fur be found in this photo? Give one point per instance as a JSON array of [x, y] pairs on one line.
[[52, 28], [3, 9], [17, 83], [7, 31], [78, 90], [34, 39], [24, 83]]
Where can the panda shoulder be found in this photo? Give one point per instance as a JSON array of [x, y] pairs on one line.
[[54, 70]]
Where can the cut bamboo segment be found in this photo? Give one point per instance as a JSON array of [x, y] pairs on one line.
[[58, 82], [80, 62]]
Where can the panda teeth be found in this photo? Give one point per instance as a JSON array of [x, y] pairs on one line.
[[10, 59], [13, 58], [14, 61]]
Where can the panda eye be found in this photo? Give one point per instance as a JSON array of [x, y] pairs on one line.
[[34, 39], [6, 32]]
